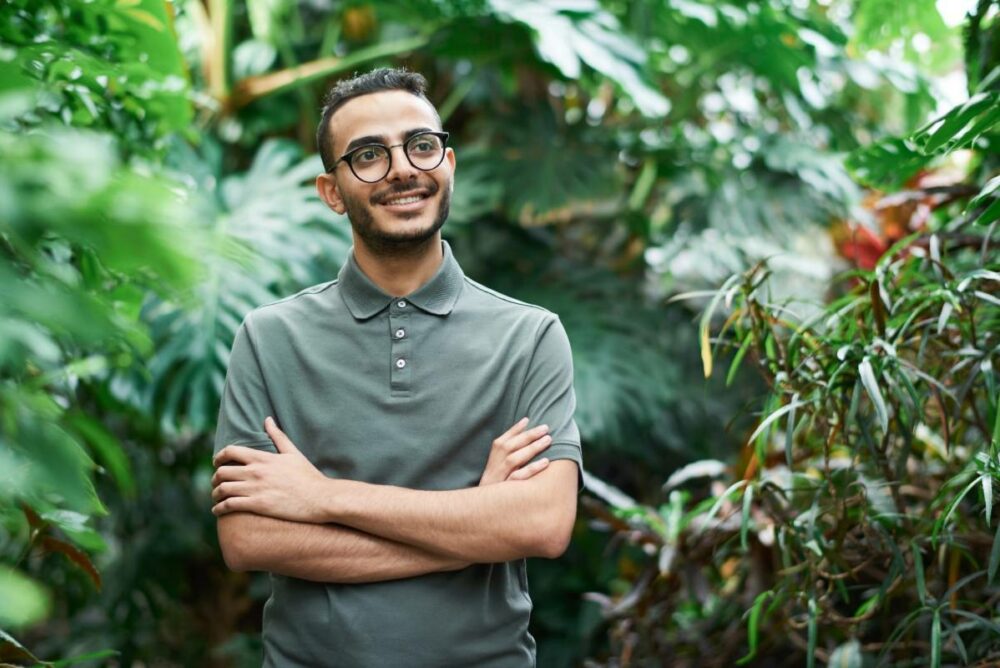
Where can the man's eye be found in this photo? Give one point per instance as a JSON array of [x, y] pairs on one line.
[[423, 145], [367, 155]]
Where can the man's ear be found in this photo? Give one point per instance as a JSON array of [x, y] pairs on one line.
[[329, 192], [449, 155]]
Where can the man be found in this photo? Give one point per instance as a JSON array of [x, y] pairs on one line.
[[396, 503]]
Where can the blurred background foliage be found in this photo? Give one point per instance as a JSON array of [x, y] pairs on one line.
[[794, 468]]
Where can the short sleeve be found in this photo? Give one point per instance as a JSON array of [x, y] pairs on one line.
[[547, 395], [245, 402]]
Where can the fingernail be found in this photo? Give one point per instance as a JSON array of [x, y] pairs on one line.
[[268, 420]]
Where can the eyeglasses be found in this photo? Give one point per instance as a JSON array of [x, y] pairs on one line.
[[371, 163]]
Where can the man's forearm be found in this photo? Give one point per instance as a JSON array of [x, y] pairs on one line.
[[493, 523], [322, 552]]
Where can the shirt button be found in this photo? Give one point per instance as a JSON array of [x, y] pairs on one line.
[[401, 304], [400, 333], [400, 363]]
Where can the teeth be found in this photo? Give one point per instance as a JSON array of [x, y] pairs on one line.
[[405, 200]]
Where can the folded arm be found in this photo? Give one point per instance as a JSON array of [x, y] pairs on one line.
[[509, 520], [321, 552], [256, 535]]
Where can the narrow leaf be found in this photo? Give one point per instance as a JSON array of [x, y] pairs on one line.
[[813, 633], [706, 321], [918, 570], [74, 554], [738, 358], [745, 520], [871, 386], [753, 624], [878, 308], [774, 416], [790, 430], [723, 498], [994, 557], [988, 496], [12, 650]]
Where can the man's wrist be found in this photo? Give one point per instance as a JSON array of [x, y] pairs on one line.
[[331, 501]]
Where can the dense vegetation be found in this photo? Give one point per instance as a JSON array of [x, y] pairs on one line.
[[770, 237]]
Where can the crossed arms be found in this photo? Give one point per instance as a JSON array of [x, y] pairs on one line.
[[278, 513]]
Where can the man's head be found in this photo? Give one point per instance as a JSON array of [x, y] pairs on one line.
[[364, 116]]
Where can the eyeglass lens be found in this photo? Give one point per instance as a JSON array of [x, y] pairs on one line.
[[371, 163]]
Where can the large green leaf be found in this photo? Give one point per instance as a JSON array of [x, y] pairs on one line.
[[272, 235]]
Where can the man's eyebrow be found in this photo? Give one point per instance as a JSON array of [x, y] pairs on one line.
[[380, 139]]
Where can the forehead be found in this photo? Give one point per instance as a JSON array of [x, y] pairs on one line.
[[386, 113]]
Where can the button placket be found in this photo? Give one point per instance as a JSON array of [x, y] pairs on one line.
[[400, 364]]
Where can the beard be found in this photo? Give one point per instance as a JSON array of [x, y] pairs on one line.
[[387, 242]]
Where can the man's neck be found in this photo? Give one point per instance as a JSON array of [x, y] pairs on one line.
[[400, 274]]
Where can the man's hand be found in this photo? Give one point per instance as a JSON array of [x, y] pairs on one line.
[[287, 485], [284, 485], [512, 450]]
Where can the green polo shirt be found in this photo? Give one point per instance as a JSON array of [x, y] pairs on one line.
[[407, 391]]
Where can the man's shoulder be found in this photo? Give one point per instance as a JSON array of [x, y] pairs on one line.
[[303, 303], [499, 303]]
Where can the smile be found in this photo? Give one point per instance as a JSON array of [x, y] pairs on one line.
[[410, 199], [414, 200]]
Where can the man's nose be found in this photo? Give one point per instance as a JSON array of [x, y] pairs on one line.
[[400, 168]]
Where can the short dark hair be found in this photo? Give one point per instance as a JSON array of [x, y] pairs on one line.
[[376, 81]]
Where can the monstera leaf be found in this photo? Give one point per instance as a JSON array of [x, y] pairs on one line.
[[271, 237]]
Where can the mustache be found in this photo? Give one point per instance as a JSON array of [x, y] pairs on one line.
[[430, 187]]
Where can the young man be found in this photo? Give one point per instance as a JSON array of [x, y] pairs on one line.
[[396, 503]]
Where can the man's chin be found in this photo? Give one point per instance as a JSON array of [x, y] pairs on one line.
[[398, 237]]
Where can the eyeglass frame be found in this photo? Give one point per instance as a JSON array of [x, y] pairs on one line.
[[442, 135]]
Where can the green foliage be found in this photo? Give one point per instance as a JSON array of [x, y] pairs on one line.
[[971, 124], [104, 65], [610, 153], [875, 437], [861, 510]]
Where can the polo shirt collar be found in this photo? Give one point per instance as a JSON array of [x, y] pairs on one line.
[[438, 295]]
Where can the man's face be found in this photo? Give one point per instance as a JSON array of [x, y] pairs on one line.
[[382, 214]]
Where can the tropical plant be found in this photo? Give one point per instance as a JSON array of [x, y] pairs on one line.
[[856, 526]]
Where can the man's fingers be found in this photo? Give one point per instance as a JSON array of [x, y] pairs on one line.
[[230, 474], [527, 438], [239, 454], [281, 441], [519, 458], [226, 490], [530, 470], [232, 505]]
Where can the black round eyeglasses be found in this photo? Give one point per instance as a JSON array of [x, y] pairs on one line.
[[371, 163]]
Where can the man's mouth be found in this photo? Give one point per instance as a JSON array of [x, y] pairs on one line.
[[409, 200]]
